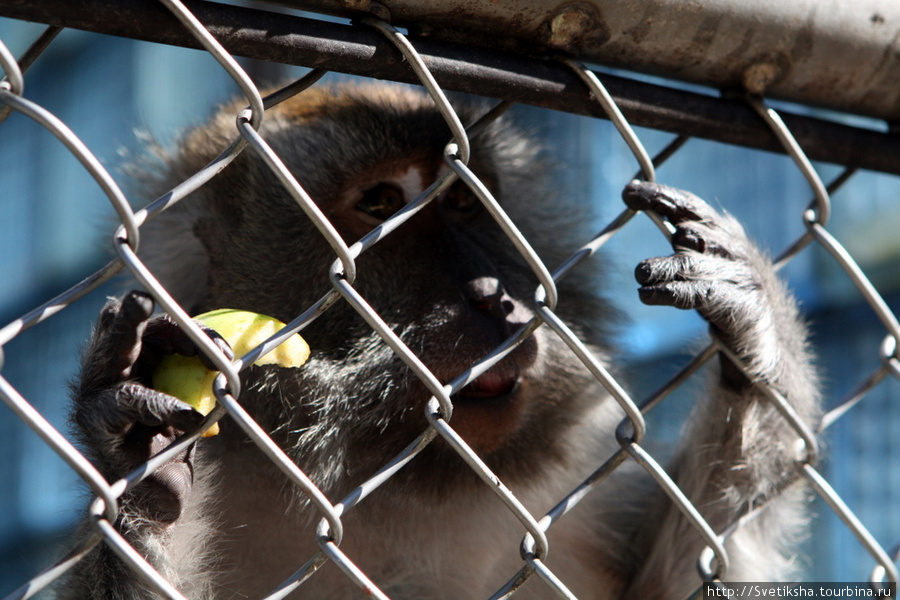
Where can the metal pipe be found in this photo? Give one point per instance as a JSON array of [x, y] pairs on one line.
[[835, 53], [541, 82]]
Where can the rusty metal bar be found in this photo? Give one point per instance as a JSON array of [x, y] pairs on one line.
[[542, 82]]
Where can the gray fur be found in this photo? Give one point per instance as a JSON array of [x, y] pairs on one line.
[[222, 522]]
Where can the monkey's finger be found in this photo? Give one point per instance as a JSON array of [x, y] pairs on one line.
[[709, 298], [163, 495], [154, 408], [674, 204], [663, 269], [117, 342], [692, 266], [164, 336], [700, 240], [116, 410], [220, 342], [680, 294], [143, 422]]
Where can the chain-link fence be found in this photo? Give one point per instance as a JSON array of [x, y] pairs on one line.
[[705, 115]]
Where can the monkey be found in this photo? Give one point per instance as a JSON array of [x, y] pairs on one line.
[[221, 521]]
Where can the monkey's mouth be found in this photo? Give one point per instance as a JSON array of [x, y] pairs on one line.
[[489, 388]]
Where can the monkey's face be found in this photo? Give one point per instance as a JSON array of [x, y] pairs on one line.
[[449, 285], [447, 281]]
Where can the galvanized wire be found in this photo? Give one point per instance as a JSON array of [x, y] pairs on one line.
[[713, 560]]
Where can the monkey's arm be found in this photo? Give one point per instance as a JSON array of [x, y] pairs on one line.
[[121, 422], [739, 448]]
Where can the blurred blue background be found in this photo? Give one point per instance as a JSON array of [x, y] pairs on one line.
[[56, 228]]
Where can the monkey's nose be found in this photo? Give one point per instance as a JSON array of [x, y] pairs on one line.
[[488, 296]]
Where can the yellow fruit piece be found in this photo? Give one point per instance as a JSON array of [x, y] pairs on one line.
[[188, 379]]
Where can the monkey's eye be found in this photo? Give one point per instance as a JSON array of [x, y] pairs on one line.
[[461, 199], [381, 201]]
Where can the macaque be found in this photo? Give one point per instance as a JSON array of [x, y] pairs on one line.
[[221, 521]]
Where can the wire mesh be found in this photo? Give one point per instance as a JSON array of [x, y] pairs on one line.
[[713, 562]]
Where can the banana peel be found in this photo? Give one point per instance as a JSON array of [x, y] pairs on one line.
[[189, 380]]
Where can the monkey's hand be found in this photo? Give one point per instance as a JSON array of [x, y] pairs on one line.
[[120, 420], [739, 449], [717, 270]]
